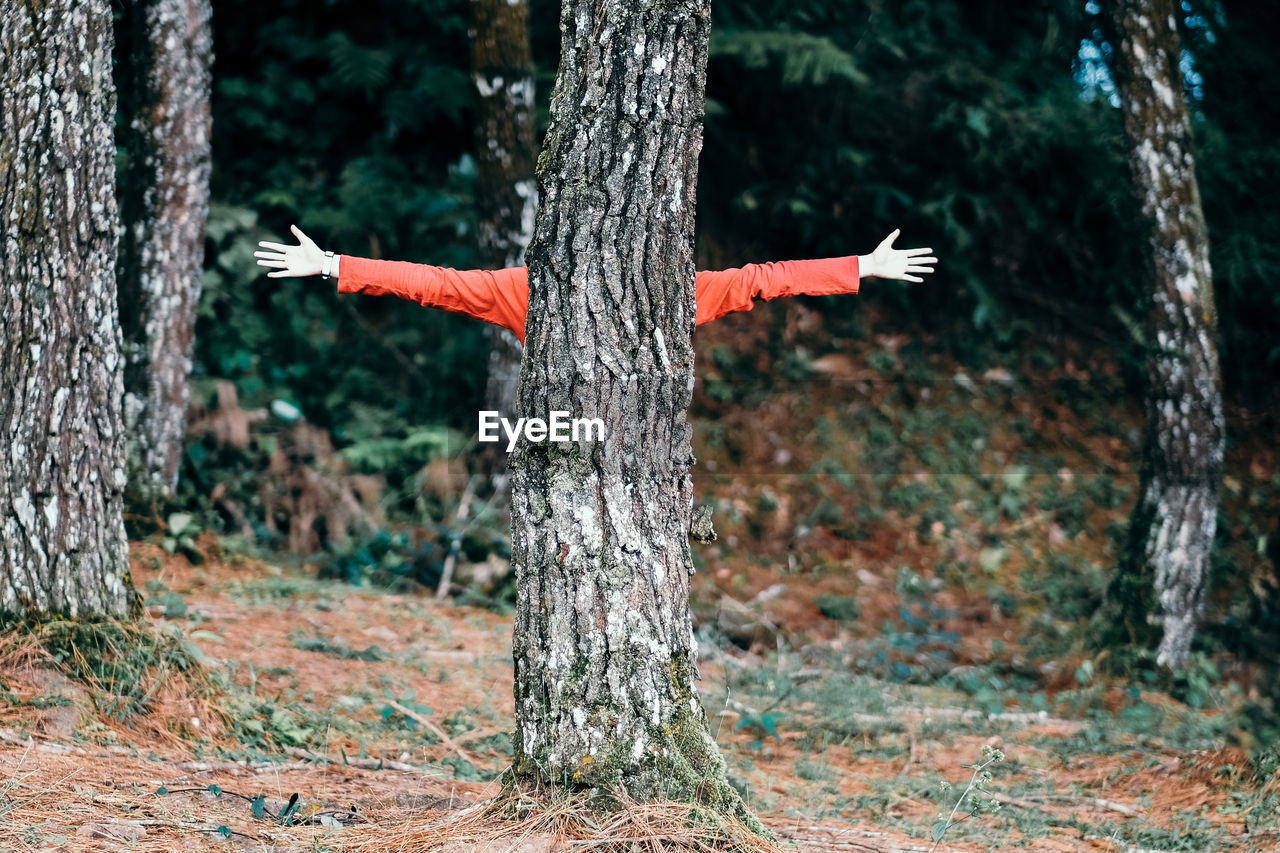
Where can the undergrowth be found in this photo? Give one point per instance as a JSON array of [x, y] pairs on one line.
[[131, 671]]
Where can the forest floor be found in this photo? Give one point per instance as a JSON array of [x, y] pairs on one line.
[[910, 552], [385, 713]]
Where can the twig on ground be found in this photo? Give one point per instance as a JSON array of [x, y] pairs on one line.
[[445, 740], [912, 754], [312, 758], [1094, 802]]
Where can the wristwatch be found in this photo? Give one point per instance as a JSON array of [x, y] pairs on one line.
[[328, 265]]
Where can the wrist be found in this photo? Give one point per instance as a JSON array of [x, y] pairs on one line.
[[866, 266]]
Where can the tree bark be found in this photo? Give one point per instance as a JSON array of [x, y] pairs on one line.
[[164, 204], [1162, 576], [505, 189], [62, 541], [604, 650]]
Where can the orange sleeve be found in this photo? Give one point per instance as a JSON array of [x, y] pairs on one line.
[[725, 291], [500, 297]]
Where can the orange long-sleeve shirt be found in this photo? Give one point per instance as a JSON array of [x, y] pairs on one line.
[[501, 297]]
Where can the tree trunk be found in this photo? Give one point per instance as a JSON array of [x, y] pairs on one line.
[[505, 190], [1162, 577], [604, 651], [62, 540], [164, 203]]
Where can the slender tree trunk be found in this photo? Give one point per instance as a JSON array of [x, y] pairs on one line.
[[1162, 578], [604, 650], [62, 540], [505, 189], [164, 204]]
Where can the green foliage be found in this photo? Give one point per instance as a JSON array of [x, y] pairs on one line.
[[273, 726], [359, 131], [802, 59], [762, 725], [841, 608], [1236, 152], [1266, 764], [325, 646], [407, 700], [832, 123], [180, 532], [962, 99], [384, 559]]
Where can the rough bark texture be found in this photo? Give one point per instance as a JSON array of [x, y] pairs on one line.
[[62, 540], [604, 650], [1163, 576], [164, 204], [506, 190]]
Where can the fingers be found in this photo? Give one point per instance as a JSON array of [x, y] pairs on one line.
[[279, 247], [272, 259], [919, 269], [280, 274], [914, 278], [911, 253]]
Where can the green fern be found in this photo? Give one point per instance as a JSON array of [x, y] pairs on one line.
[[802, 59], [357, 68]]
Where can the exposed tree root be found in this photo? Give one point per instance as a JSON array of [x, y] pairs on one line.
[[537, 817]]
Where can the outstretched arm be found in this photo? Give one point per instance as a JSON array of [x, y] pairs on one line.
[[726, 291], [500, 297]]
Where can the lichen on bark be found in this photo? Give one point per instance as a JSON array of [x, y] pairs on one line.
[[62, 540], [1160, 587], [604, 650], [164, 206]]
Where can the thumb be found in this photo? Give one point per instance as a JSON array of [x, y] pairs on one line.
[[302, 238], [887, 242]]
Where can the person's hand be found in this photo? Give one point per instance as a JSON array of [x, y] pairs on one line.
[[902, 264], [306, 258]]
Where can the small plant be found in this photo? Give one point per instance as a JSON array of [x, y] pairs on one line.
[[972, 798], [180, 535]]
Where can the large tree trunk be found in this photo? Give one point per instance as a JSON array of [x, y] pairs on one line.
[[604, 650], [1163, 574], [62, 540], [164, 204], [505, 190]]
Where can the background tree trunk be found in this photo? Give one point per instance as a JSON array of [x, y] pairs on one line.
[[604, 650], [164, 204], [505, 190], [62, 540], [1173, 524]]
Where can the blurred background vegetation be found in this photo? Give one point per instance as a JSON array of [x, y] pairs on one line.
[[983, 129]]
